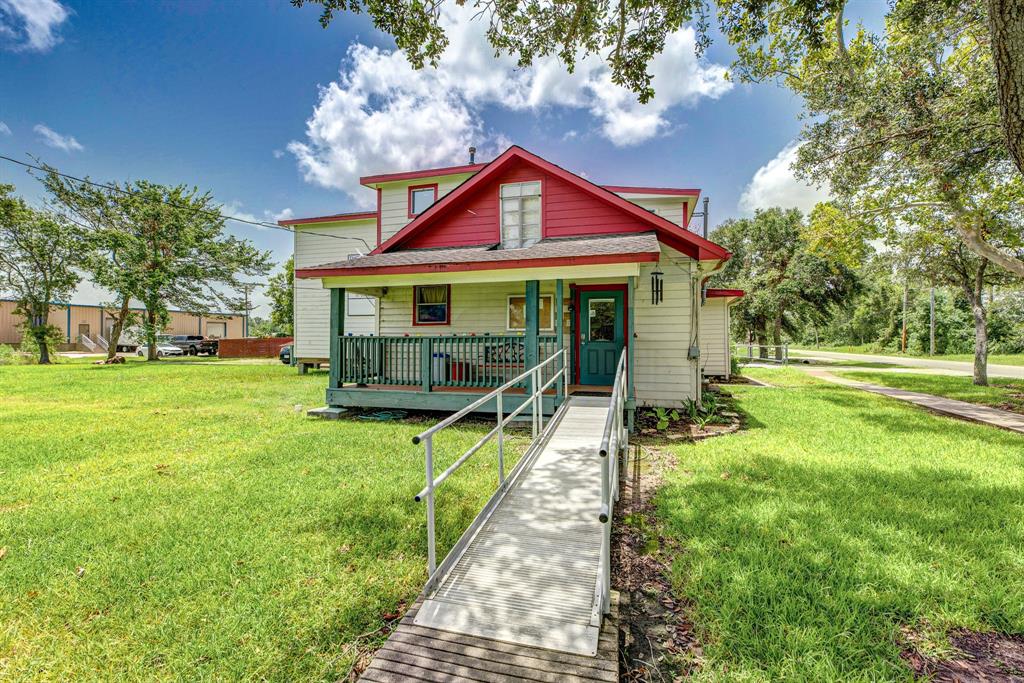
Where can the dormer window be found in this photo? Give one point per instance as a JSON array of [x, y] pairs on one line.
[[520, 214], [421, 197]]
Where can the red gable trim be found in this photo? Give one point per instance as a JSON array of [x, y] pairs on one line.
[[667, 191], [711, 293], [336, 218], [692, 244], [480, 265], [424, 173]]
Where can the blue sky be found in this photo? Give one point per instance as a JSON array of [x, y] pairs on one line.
[[257, 103]]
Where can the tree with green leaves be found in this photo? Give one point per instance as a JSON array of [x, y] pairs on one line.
[[281, 290], [787, 285], [162, 245], [772, 37], [101, 211], [38, 254]]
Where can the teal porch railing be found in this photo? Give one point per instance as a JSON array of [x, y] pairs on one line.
[[484, 361]]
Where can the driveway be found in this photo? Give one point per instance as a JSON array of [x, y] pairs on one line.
[[1011, 371]]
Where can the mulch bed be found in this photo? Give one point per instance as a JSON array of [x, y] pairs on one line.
[[989, 657]]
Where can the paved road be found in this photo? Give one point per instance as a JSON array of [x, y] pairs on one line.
[[1011, 371]]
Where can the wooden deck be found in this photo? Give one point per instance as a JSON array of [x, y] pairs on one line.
[[519, 603]]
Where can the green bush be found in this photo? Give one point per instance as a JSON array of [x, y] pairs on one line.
[[11, 356]]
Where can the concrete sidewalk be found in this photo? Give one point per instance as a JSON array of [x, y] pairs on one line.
[[994, 370], [959, 409]]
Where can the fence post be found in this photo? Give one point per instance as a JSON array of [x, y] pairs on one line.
[[426, 361], [501, 440], [431, 557]]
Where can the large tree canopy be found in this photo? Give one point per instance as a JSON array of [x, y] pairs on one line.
[[38, 254], [771, 36]]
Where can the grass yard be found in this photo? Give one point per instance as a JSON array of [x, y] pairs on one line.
[[185, 521], [837, 519], [1006, 394], [995, 358]]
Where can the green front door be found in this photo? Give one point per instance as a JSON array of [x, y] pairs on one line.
[[601, 335]]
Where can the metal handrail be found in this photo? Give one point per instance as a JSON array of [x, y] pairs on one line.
[[614, 443], [427, 439]]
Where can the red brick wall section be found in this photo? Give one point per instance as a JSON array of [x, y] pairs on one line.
[[252, 347]]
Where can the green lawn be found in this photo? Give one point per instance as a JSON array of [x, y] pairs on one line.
[[223, 534], [995, 359], [835, 519], [1007, 394]]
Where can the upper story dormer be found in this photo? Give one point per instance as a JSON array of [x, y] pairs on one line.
[[524, 204]]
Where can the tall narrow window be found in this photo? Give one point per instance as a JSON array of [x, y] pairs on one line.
[[420, 198], [520, 214], [431, 305]]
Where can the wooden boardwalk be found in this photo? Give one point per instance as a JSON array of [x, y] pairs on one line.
[[519, 603]]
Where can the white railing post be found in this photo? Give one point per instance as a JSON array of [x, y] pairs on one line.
[[501, 440], [428, 446]]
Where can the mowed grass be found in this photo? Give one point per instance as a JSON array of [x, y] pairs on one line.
[[1007, 394], [836, 519], [994, 358], [219, 533]]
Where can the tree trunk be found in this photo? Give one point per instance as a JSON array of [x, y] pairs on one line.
[[777, 337], [39, 332], [974, 292], [151, 334], [1006, 28], [115, 331]]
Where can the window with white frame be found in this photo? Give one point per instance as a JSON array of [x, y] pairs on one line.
[[515, 317], [420, 199], [360, 305], [520, 214]]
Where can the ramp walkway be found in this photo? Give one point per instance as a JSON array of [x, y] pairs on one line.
[[530, 578]]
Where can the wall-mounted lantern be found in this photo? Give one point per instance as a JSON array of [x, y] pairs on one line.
[[657, 286]]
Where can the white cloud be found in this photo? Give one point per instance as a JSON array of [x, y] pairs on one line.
[[236, 209], [52, 138], [382, 115], [32, 25], [775, 185], [4, 129]]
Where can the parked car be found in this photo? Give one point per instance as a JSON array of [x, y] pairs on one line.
[[194, 344], [286, 354], [162, 349]]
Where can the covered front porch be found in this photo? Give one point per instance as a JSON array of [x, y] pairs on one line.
[[419, 369]]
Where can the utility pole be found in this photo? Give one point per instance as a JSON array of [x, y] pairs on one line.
[[903, 337], [931, 323], [246, 289]]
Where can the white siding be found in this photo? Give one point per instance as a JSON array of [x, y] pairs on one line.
[[714, 337], [663, 334], [661, 338], [313, 302], [670, 207], [394, 200]]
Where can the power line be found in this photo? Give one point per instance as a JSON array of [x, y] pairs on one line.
[[217, 214]]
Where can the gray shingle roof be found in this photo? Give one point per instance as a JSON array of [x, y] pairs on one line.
[[591, 245]]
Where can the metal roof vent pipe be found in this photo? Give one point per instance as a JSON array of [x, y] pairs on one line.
[[472, 155]]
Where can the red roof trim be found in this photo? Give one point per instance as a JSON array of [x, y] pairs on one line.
[[711, 293], [667, 191], [336, 218], [696, 245], [424, 173], [480, 265]]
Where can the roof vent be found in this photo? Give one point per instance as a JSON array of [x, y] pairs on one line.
[[472, 155]]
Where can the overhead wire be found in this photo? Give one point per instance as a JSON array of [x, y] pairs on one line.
[[217, 214]]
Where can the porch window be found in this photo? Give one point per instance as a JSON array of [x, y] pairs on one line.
[[420, 198], [432, 305], [520, 214], [515, 320]]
